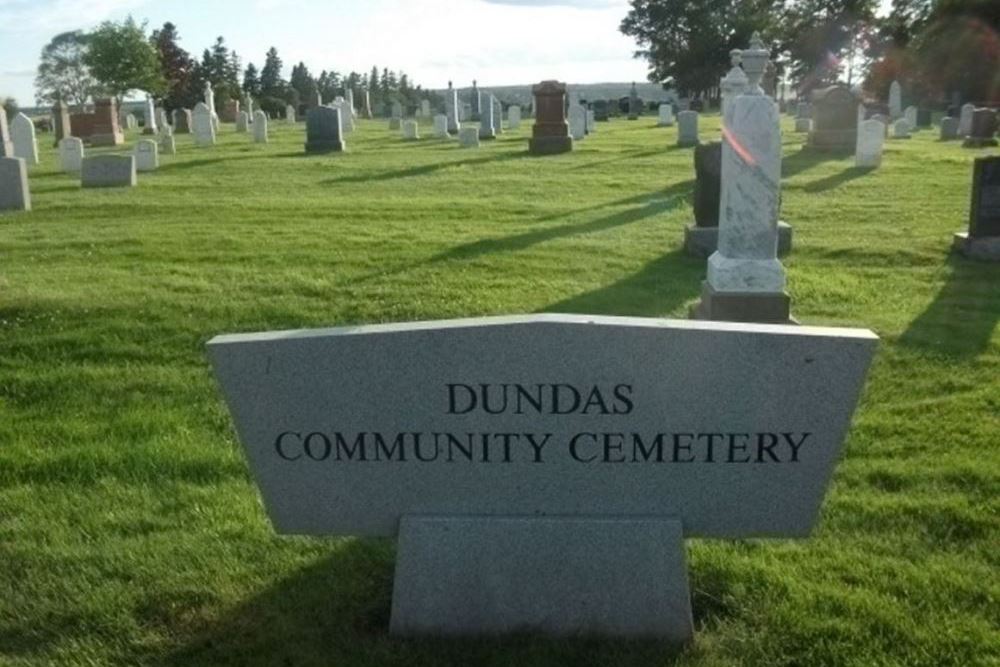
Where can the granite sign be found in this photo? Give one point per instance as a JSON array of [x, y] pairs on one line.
[[487, 426]]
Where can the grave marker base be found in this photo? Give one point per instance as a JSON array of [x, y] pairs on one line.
[[552, 576], [985, 248], [763, 308]]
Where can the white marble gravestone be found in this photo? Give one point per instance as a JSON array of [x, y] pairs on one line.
[[203, 125], [453, 110], [22, 134], [487, 119], [352, 110], [901, 129], [14, 192], [147, 156], [168, 145], [468, 137], [161, 119], [910, 114], [70, 154], [577, 118], [965, 120], [666, 118], [6, 146], [290, 114], [149, 117], [687, 128], [131, 122], [541, 471], [949, 128], [108, 171], [868, 150], [242, 121], [259, 127], [425, 108], [895, 100], [514, 117], [441, 127], [410, 130]]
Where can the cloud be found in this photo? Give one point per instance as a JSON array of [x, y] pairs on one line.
[[579, 4], [18, 73], [54, 16]]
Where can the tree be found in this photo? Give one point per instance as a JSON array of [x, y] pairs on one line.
[[177, 67], [271, 83], [62, 74], [819, 35], [251, 81], [687, 44], [302, 81], [122, 59]]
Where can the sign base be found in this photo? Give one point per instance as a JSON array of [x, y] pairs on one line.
[[551, 576]]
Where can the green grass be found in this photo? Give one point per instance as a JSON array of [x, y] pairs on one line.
[[132, 533]]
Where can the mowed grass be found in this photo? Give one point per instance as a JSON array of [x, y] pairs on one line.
[[132, 533]]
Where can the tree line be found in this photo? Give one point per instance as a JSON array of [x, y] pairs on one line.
[[118, 58], [937, 49]]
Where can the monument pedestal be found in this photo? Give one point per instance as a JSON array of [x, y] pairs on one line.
[[703, 241], [553, 576], [550, 145], [985, 248], [760, 307]]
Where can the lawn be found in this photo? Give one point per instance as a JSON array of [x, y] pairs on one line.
[[131, 532]]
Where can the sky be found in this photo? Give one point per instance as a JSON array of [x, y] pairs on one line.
[[497, 42]]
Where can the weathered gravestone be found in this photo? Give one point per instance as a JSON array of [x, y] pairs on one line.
[[259, 127], [834, 119], [634, 103], [162, 120], [22, 132], [687, 129], [131, 122], [14, 193], [147, 156], [702, 238], [550, 133], [487, 118], [984, 127], [61, 122], [108, 171], [965, 120], [149, 117], [182, 121], [733, 84], [541, 471], [468, 137], [6, 145], [203, 125], [168, 145], [452, 110], [351, 108], [497, 115], [70, 154], [577, 122], [396, 116], [901, 129], [290, 114], [411, 130], [949, 128], [514, 117], [242, 122], [601, 110], [475, 101], [910, 114], [982, 241], [441, 127], [895, 100], [591, 121], [324, 132], [871, 137], [666, 118], [425, 108]]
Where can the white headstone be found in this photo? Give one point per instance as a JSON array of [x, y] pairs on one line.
[[290, 114], [910, 114], [868, 151], [591, 121], [242, 121], [514, 117], [149, 117], [14, 193], [441, 126], [577, 122], [901, 129], [70, 154], [168, 145], [733, 84], [204, 128], [487, 120], [161, 119], [259, 127], [131, 122], [895, 100], [345, 114], [147, 157], [965, 120], [108, 171], [747, 257], [666, 115], [22, 135], [687, 128], [468, 137], [349, 98], [410, 130], [6, 147], [425, 108], [453, 110], [209, 96]]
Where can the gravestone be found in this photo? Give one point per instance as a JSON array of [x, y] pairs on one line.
[[634, 103], [475, 101], [351, 108], [884, 119], [871, 136], [542, 471], [487, 118], [366, 104], [248, 106], [702, 238], [910, 114], [984, 127], [425, 108], [949, 128], [242, 122], [290, 114], [149, 117], [550, 133], [965, 120], [901, 129], [396, 116], [982, 241], [577, 122], [802, 110], [6, 145], [161, 119], [466, 112], [468, 137], [497, 115], [70, 154], [733, 84], [410, 130], [666, 118], [203, 125], [895, 100], [746, 281], [345, 114], [147, 157], [182, 121], [61, 122], [324, 133], [514, 117], [834, 119], [601, 112], [441, 127], [131, 122], [14, 192], [452, 110], [259, 127], [22, 133], [108, 171], [230, 111], [687, 129], [168, 145]]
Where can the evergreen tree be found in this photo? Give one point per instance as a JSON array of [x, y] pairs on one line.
[[251, 81], [271, 83], [302, 81], [177, 66]]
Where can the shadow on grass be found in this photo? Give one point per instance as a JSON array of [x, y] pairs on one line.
[[836, 180], [336, 612], [628, 156], [206, 161], [804, 159], [422, 170], [959, 322], [656, 290]]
